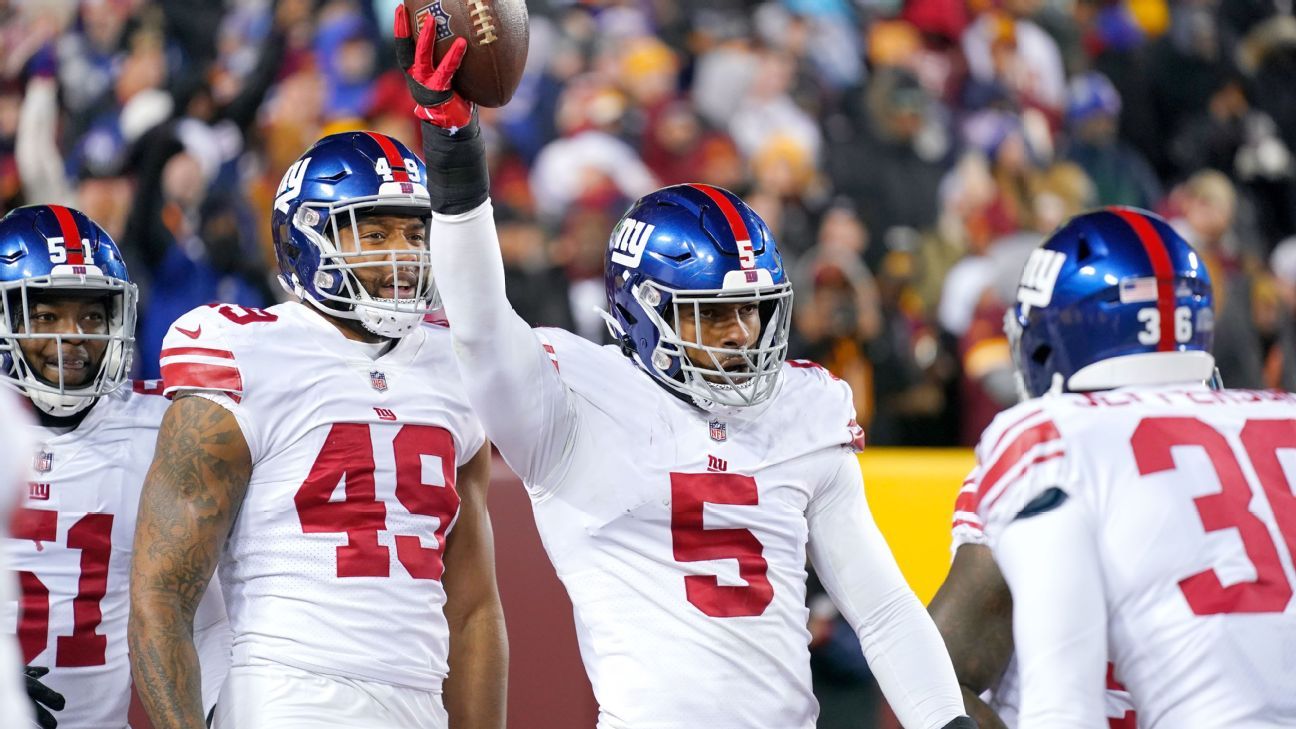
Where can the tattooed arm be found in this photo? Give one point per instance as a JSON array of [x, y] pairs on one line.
[[475, 692], [973, 611], [192, 492]]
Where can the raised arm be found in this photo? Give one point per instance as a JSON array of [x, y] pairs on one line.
[[512, 384], [1060, 616], [973, 612], [476, 690], [899, 640], [192, 492]]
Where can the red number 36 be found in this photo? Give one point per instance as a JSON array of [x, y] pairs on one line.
[[1271, 590]]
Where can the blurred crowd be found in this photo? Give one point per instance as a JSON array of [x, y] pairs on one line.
[[906, 154]]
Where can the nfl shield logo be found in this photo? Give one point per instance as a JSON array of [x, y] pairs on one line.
[[378, 381], [438, 15], [719, 432], [44, 462]]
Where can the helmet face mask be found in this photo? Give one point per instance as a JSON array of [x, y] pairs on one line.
[[1113, 298], [326, 197], [685, 250], [754, 380], [44, 273]]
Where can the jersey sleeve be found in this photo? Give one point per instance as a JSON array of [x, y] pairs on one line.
[[510, 374], [1021, 455], [899, 639], [1050, 561], [820, 391], [200, 356]]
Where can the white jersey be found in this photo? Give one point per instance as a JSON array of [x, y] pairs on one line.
[[71, 543], [681, 538], [1004, 698], [1188, 496], [15, 710], [334, 562]]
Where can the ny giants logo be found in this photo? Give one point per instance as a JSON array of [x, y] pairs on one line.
[[629, 242], [717, 465], [1039, 277], [291, 184], [385, 414], [38, 491]]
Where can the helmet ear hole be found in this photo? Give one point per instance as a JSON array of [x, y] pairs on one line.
[[1041, 354], [1083, 250], [625, 313]]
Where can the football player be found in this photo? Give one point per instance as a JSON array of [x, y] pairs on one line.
[[321, 451], [680, 477], [67, 322], [1138, 516]]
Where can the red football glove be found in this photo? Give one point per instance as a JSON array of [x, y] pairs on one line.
[[436, 102]]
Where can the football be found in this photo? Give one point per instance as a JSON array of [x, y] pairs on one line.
[[497, 33]]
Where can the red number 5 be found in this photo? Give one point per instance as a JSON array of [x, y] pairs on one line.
[[693, 542], [1271, 590], [348, 453]]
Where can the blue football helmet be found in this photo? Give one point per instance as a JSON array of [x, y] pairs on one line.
[[1114, 297], [51, 250], [693, 246], [339, 179]]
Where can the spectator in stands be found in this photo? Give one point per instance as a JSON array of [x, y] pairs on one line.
[[1120, 174], [885, 160]]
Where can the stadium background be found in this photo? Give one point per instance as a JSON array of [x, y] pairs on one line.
[[907, 155]]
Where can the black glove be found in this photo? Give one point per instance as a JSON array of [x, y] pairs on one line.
[[963, 722], [45, 700]]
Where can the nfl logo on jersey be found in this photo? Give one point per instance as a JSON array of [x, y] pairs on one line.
[[44, 462], [719, 432], [378, 380]]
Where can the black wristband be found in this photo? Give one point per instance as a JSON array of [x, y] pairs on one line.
[[963, 722], [456, 167]]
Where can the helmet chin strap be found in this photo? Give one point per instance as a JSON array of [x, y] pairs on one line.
[[59, 406], [382, 322]]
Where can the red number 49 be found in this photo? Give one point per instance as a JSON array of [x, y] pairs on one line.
[[348, 454], [1270, 591]]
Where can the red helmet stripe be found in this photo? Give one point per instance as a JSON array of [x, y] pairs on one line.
[[736, 224], [1159, 256], [393, 157], [71, 235]]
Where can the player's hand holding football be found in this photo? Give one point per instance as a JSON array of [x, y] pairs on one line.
[[429, 82]]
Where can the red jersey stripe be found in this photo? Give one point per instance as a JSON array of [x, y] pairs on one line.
[[966, 501], [736, 224], [1159, 256], [399, 174], [202, 376], [71, 236], [147, 387], [1004, 434], [966, 522], [196, 351], [1034, 462], [1025, 441]]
